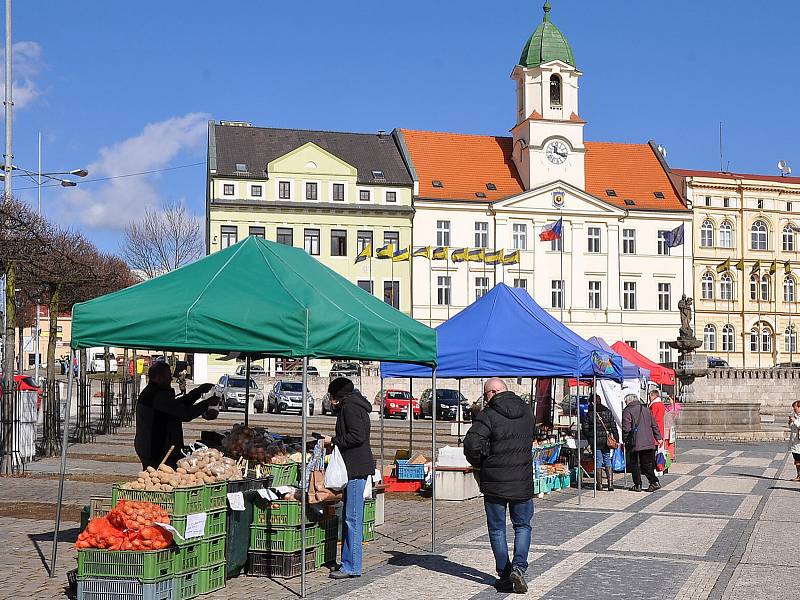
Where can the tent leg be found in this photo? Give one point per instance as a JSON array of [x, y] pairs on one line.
[[459, 415], [383, 401], [594, 433], [247, 390], [433, 463], [410, 418], [578, 450], [63, 468], [303, 480]]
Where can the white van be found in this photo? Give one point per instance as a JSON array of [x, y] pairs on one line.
[[96, 361]]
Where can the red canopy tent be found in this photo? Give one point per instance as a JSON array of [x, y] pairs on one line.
[[658, 374]]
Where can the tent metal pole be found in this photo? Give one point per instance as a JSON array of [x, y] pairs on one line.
[[247, 390], [433, 464], [383, 396], [410, 416], [578, 451], [458, 412], [303, 480], [63, 468], [594, 433]]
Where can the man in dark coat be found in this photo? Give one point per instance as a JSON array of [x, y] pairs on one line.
[[352, 441], [602, 424], [641, 436], [499, 445], [160, 416]]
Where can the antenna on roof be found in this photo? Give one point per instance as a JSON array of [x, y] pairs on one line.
[[784, 168], [662, 151]]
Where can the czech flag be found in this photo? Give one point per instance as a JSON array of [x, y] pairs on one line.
[[551, 232]]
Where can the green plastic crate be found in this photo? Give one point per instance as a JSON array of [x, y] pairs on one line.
[[187, 558], [565, 480], [369, 510], [215, 526], [177, 503], [212, 551], [328, 529], [215, 495], [369, 531], [281, 513], [281, 539], [147, 567], [287, 474], [211, 578], [187, 585], [327, 552], [282, 565], [126, 589]]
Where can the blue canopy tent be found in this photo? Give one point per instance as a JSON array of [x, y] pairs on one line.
[[629, 370]]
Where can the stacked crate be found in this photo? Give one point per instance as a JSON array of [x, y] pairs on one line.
[[276, 540]]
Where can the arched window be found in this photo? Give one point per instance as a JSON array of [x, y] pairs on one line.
[[555, 90], [726, 287], [765, 288], [728, 344], [788, 289], [754, 279], [726, 235], [788, 238], [790, 339], [754, 339], [707, 286], [758, 235], [710, 338], [707, 234], [766, 339]]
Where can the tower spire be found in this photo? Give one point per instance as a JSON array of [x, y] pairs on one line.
[[546, 9]]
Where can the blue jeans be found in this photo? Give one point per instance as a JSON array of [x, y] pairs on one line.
[[353, 526], [521, 517], [602, 459]]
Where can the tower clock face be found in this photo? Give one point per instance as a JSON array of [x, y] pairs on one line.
[[557, 152]]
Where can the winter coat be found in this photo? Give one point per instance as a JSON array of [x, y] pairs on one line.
[[499, 445], [658, 411], [159, 422], [352, 435], [638, 424], [604, 417], [794, 434]]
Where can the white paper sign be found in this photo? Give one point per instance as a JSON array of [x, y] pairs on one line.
[[236, 500], [171, 529], [195, 525], [267, 494]]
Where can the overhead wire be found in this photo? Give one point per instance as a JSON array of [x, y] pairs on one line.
[[140, 173]]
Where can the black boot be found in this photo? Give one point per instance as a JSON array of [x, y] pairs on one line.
[[610, 477], [598, 479]]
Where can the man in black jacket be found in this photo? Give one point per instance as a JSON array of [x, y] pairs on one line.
[[160, 416], [352, 440], [499, 445]]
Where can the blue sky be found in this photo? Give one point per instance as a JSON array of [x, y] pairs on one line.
[[124, 87]]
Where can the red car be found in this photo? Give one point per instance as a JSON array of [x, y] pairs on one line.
[[395, 403]]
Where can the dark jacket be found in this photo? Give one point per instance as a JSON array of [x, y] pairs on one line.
[[604, 417], [499, 445], [352, 435], [639, 430], [159, 422]]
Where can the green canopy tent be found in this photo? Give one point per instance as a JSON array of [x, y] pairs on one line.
[[257, 298]]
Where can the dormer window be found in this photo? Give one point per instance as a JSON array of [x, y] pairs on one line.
[[555, 90]]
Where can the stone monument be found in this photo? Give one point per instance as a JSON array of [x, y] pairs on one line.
[[690, 365]]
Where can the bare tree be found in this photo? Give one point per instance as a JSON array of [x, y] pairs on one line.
[[162, 240]]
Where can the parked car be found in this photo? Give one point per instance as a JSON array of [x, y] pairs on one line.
[[786, 365], [395, 404], [345, 369], [447, 402], [255, 370], [717, 363], [327, 407], [232, 393], [96, 361], [298, 371], [288, 396]]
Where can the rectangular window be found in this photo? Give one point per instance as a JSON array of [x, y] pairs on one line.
[[663, 249], [556, 293], [520, 236], [629, 241], [392, 237], [365, 284], [708, 200], [227, 189], [789, 206], [338, 242], [338, 192], [229, 235], [442, 233], [391, 293], [664, 296], [594, 294], [284, 190], [481, 234], [633, 344], [285, 236], [311, 241], [557, 244], [593, 238], [629, 295], [481, 287], [364, 195], [362, 239], [311, 190], [521, 284], [258, 232], [664, 352], [760, 204], [726, 202], [391, 197], [443, 291], [256, 191]]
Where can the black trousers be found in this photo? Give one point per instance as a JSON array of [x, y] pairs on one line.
[[643, 461]]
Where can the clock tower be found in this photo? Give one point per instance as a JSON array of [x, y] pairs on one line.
[[548, 135]]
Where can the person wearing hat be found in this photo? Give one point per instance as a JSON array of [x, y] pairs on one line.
[[352, 440]]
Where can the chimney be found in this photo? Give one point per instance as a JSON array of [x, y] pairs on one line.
[[381, 134]]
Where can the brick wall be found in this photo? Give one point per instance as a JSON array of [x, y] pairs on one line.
[[773, 389]]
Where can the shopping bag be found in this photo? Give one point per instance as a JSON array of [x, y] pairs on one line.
[[336, 473], [318, 493], [368, 489], [668, 458], [618, 459], [661, 460]]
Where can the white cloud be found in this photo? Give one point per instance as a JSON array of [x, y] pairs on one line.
[[115, 203], [26, 65]]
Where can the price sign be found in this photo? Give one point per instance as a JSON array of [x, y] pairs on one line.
[[236, 500], [195, 525], [171, 529]]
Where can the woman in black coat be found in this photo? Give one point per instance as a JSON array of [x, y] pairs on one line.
[[602, 452]]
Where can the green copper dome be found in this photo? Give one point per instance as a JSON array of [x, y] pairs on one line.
[[547, 43]]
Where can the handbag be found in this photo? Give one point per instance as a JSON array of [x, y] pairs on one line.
[[318, 493], [610, 440]]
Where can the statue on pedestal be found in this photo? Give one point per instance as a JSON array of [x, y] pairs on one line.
[[685, 309]]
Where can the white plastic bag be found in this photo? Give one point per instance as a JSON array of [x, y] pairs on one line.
[[336, 472], [368, 489]]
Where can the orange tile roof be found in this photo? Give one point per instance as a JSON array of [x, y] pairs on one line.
[[722, 175], [466, 163]]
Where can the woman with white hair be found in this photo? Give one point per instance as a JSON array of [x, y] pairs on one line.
[[641, 436]]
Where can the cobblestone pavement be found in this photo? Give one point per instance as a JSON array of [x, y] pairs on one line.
[[720, 529]]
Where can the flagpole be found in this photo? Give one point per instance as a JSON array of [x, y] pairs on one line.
[[430, 301], [450, 287], [775, 304], [683, 269], [561, 283]]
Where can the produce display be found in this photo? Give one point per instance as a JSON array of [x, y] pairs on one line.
[[258, 447], [199, 468], [129, 526]]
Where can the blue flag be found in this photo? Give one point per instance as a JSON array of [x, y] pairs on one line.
[[674, 238]]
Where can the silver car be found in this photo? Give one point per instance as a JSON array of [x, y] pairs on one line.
[[231, 391], [288, 396]]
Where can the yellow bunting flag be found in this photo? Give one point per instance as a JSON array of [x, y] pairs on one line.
[[511, 258], [476, 255], [787, 267], [386, 252], [459, 255], [725, 266], [740, 265], [365, 253], [440, 253], [424, 252], [402, 255], [495, 257]]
